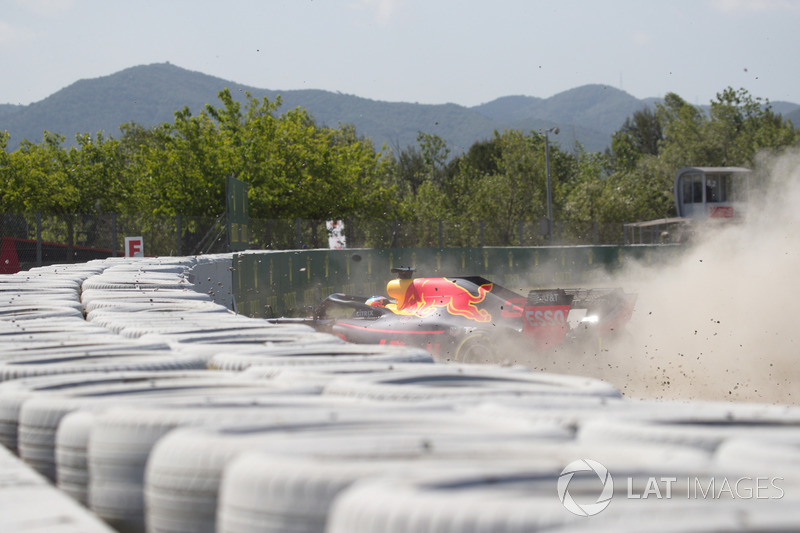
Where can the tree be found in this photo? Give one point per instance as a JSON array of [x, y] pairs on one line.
[[517, 191], [187, 176], [299, 169], [640, 134], [740, 126], [434, 152], [7, 176], [50, 179], [584, 201], [136, 151], [100, 165], [645, 130], [733, 132], [409, 171]]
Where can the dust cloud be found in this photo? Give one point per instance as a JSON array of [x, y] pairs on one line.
[[720, 323]]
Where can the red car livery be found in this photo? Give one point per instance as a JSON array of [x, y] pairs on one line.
[[468, 318]]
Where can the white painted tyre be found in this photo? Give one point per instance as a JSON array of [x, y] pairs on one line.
[[318, 376], [703, 435], [185, 467], [121, 439], [236, 339], [29, 504], [72, 473], [39, 417], [31, 312], [144, 304], [146, 295], [458, 382], [330, 350], [155, 359], [773, 455], [14, 393], [524, 499]]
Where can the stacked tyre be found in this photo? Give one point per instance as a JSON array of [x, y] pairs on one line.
[[132, 398]]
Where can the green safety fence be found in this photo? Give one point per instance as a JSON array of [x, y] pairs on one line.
[[269, 284]]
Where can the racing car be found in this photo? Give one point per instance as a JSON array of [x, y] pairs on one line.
[[469, 319]]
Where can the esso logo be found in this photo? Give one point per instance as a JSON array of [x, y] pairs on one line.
[[549, 317]]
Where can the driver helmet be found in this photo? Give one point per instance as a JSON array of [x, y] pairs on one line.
[[377, 301]]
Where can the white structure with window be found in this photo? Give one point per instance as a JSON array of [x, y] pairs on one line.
[[711, 192]]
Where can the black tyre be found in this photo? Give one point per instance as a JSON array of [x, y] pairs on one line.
[[476, 348]]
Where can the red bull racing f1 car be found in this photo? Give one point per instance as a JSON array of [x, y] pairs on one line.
[[468, 319]]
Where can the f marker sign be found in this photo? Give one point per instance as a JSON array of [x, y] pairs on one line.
[[134, 247]]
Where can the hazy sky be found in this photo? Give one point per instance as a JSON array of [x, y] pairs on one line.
[[428, 51]]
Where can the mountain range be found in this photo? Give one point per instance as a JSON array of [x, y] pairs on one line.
[[150, 94]]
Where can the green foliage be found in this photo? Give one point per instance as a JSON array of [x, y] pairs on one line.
[[734, 132], [299, 169], [641, 134], [294, 167], [7, 174]]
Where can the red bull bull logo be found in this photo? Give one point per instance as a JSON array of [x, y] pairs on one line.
[[423, 297]]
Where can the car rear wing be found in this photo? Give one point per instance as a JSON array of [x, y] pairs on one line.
[[547, 313], [607, 309]]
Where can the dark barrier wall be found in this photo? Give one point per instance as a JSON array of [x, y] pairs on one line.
[[282, 283], [24, 254]]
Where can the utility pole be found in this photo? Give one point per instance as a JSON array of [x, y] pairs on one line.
[[554, 129]]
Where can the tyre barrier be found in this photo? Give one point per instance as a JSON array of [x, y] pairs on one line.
[[152, 309], [234, 339], [687, 432], [273, 492], [65, 342], [15, 392], [131, 282], [39, 417], [72, 471], [583, 411], [42, 328], [29, 503], [229, 328], [113, 297], [522, 499], [50, 350], [319, 375], [778, 456], [96, 306], [187, 326], [463, 381], [31, 311], [10, 300], [131, 385], [148, 358], [116, 473], [330, 350], [122, 452], [180, 502], [118, 322], [35, 286]]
